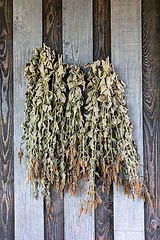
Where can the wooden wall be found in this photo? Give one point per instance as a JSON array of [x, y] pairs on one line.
[[82, 30]]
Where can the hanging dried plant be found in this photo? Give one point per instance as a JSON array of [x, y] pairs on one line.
[[38, 116], [54, 124], [45, 100], [55, 163], [109, 130], [74, 129], [63, 144]]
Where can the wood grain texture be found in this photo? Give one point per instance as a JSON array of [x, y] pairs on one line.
[[77, 49], [52, 24], [54, 217], [77, 31], [101, 50], [75, 228], [6, 122], [27, 33], [101, 29], [104, 214], [151, 111], [126, 50], [52, 37]]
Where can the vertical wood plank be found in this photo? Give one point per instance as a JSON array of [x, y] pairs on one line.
[[27, 33], [52, 37], [101, 29], [6, 122], [151, 111], [52, 24], [77, 31], [126, 54], [101, 50], [54, 217], [104, 222], [77, 49]]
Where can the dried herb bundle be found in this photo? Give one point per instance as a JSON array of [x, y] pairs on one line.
[[54, 124], [109, 130], [65, 145], [38, 115], [74, 129]]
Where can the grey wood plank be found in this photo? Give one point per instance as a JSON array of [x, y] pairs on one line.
[[27, 33], [77, 49], [77, 31], [126, 55]]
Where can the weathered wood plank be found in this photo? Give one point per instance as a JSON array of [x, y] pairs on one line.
[[77, 31], [52, 37], [101, 50], [27, 32], [77, 49], [126, 53], [75, 228], [6, 122], [104, 222], [52, 24], [54, 217], [101, 29], [151, 111]]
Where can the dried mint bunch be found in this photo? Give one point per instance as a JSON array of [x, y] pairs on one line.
[[69, 139], [45, 100], [54, 125], [56, 165], [74, 134], [109, 131], [38, 115]]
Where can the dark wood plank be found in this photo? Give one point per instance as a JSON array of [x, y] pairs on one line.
[[54, 217], [104, 222], [126, 50], [52, 24], [52, 37], [101, 29], [6, 122], [77, 49], [151, 111], [101, 50], [27, 33]]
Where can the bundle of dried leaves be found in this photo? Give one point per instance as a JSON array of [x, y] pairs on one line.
[[62, 147], [109, 130]]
